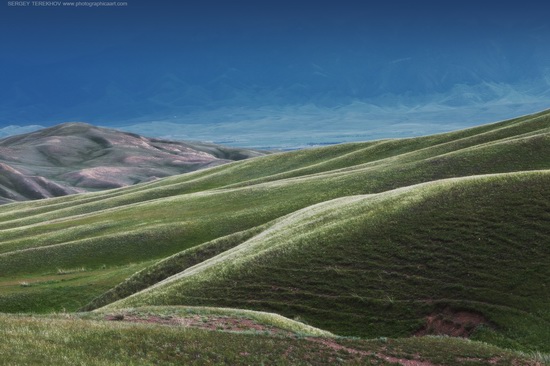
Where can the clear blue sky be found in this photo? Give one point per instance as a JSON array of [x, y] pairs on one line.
[[255, 65]]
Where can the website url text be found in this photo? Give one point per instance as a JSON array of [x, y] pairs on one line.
[[75, 4]]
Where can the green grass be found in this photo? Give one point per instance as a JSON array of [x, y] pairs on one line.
[[56, 291], [170, 266], [360, 239], [377, 265], [72, 340], [162, 218]]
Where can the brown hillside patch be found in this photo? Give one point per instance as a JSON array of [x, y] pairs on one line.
[[454, 323], [335, 346], [219, 323], [406, 362], [362, 354]]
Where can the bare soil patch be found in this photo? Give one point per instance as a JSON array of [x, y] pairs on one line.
[[220, 323], [361, 354], [454, 323]]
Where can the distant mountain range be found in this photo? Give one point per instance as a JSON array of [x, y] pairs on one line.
[[78, 157]]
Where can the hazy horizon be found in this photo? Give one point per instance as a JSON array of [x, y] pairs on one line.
[[273, 74]]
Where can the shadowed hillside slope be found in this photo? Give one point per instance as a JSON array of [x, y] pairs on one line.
[[77, 157], [346, 237], [16, 185]]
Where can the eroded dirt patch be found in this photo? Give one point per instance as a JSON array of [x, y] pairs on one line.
[[362, 354], [335, 346], [454, 323], [406, 362], [220, 323]]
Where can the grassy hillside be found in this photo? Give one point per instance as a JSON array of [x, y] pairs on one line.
[[137, 340], [475, 148], [379, 265], [172, 265], [439, 234]]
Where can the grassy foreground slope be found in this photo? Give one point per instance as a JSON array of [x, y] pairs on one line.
[[382, 264], [92, 340]]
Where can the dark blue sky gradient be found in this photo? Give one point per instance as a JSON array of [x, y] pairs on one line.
[[160, 60]]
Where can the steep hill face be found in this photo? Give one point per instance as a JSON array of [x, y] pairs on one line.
[[77, 157]]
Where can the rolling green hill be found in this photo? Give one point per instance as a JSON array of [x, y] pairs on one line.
[[443, 234], [380, 265]]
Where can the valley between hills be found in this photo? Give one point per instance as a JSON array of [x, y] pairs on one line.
[[421, 251]]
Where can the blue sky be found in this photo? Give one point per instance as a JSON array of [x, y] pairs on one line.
[[274, 73]]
